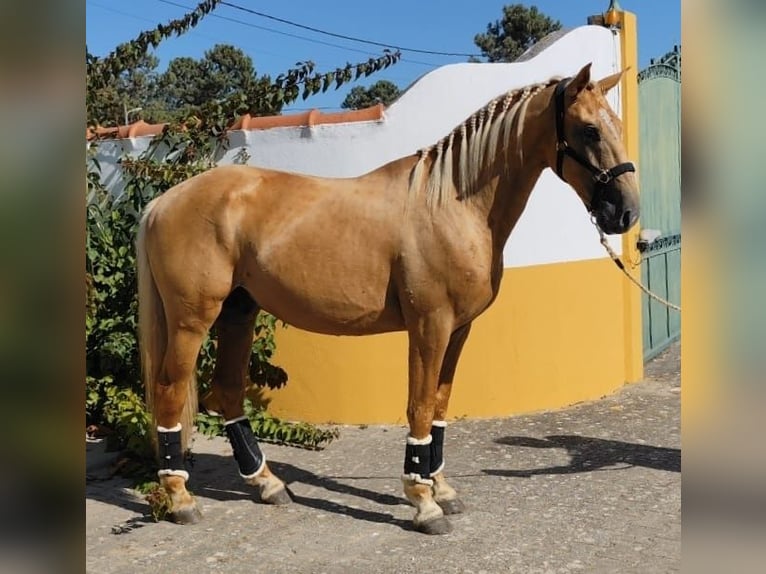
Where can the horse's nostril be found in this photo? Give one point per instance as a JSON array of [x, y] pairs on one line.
[[627, 218]]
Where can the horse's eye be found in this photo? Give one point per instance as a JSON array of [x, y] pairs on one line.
[[591, 133]]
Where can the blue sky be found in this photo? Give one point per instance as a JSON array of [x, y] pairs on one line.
[[445, 26]]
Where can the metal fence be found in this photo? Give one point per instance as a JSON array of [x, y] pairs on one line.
[[660, 271], [660, 173]]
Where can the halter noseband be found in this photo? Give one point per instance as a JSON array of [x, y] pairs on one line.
[[601, 177]]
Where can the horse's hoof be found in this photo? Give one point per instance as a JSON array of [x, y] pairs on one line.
[[278, 498], [190, 515], [454, 506], [435, 526]]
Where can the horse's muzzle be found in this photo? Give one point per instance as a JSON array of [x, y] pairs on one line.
[[615, 220]]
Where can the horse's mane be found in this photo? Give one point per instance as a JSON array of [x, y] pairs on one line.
[[479, 135]]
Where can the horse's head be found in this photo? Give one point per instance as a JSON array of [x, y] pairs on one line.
[[590, 155]]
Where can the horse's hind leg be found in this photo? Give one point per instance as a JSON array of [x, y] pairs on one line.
[[444, 495], [234, 328], [170, 397]]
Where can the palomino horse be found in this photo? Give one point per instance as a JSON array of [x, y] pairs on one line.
[[415, 245]]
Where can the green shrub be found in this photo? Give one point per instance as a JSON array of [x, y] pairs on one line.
[[271, 429], [114, 391]]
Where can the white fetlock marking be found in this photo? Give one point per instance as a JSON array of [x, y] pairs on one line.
[[419, 441], [174, 429], [416, 478], [168, 472], [256, 473], [443, 492]]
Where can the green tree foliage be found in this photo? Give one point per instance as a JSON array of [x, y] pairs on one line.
[[228, 82], [381, 92], [102, 75], [518, 30], [224, 72], [132, 88]]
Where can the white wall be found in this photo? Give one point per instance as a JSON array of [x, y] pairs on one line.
[[555, 226]]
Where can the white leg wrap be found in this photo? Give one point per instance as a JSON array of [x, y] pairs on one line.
[[414, 477], [437, 447], [257, 472], [248, 454], [419, 441], [167, 472], [417, 456], [236, 420], [438, 470], [170, 452]]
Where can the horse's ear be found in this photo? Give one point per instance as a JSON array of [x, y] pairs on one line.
[[606, 84], [579, 82]]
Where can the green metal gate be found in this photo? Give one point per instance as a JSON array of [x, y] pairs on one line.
[[659, 92]]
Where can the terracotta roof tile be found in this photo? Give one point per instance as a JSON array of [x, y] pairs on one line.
[[247, 122]]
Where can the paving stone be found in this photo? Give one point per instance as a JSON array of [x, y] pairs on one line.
[[593, 488]]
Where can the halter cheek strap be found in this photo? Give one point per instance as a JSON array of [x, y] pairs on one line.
[[601, 177]]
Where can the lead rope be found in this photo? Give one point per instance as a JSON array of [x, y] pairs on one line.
[[620, 264]]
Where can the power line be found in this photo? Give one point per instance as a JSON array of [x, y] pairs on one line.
[[251, 25], [120, 12], [192, 32], [289, 35], [344, 37]]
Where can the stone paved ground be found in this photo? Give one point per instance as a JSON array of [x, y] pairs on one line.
[[593, 488]]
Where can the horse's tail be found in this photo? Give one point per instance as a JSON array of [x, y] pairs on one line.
[[153, 336]]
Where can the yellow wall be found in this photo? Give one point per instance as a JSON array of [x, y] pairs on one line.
[[556, 335], [553, 337]]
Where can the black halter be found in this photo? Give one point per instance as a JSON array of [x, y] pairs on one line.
[[601, 177]]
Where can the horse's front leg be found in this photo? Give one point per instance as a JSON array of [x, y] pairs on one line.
[[444, 495], [428, 342]]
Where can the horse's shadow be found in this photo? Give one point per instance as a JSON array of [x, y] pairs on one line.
[[231, 488], [588, 454], [103, 483], [215, 477]]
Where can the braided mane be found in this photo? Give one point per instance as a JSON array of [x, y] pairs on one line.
[[478, 137]]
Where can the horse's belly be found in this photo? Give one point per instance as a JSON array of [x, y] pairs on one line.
[[326, 303]]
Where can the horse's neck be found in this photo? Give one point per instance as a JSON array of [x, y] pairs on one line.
[[507, 186], [509, 199]]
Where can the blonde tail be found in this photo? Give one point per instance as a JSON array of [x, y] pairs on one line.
[[153, 336]]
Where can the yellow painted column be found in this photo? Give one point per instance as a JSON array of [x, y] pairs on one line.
[[633, 341]]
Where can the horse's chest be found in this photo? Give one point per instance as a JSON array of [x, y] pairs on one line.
[[471, 287]]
